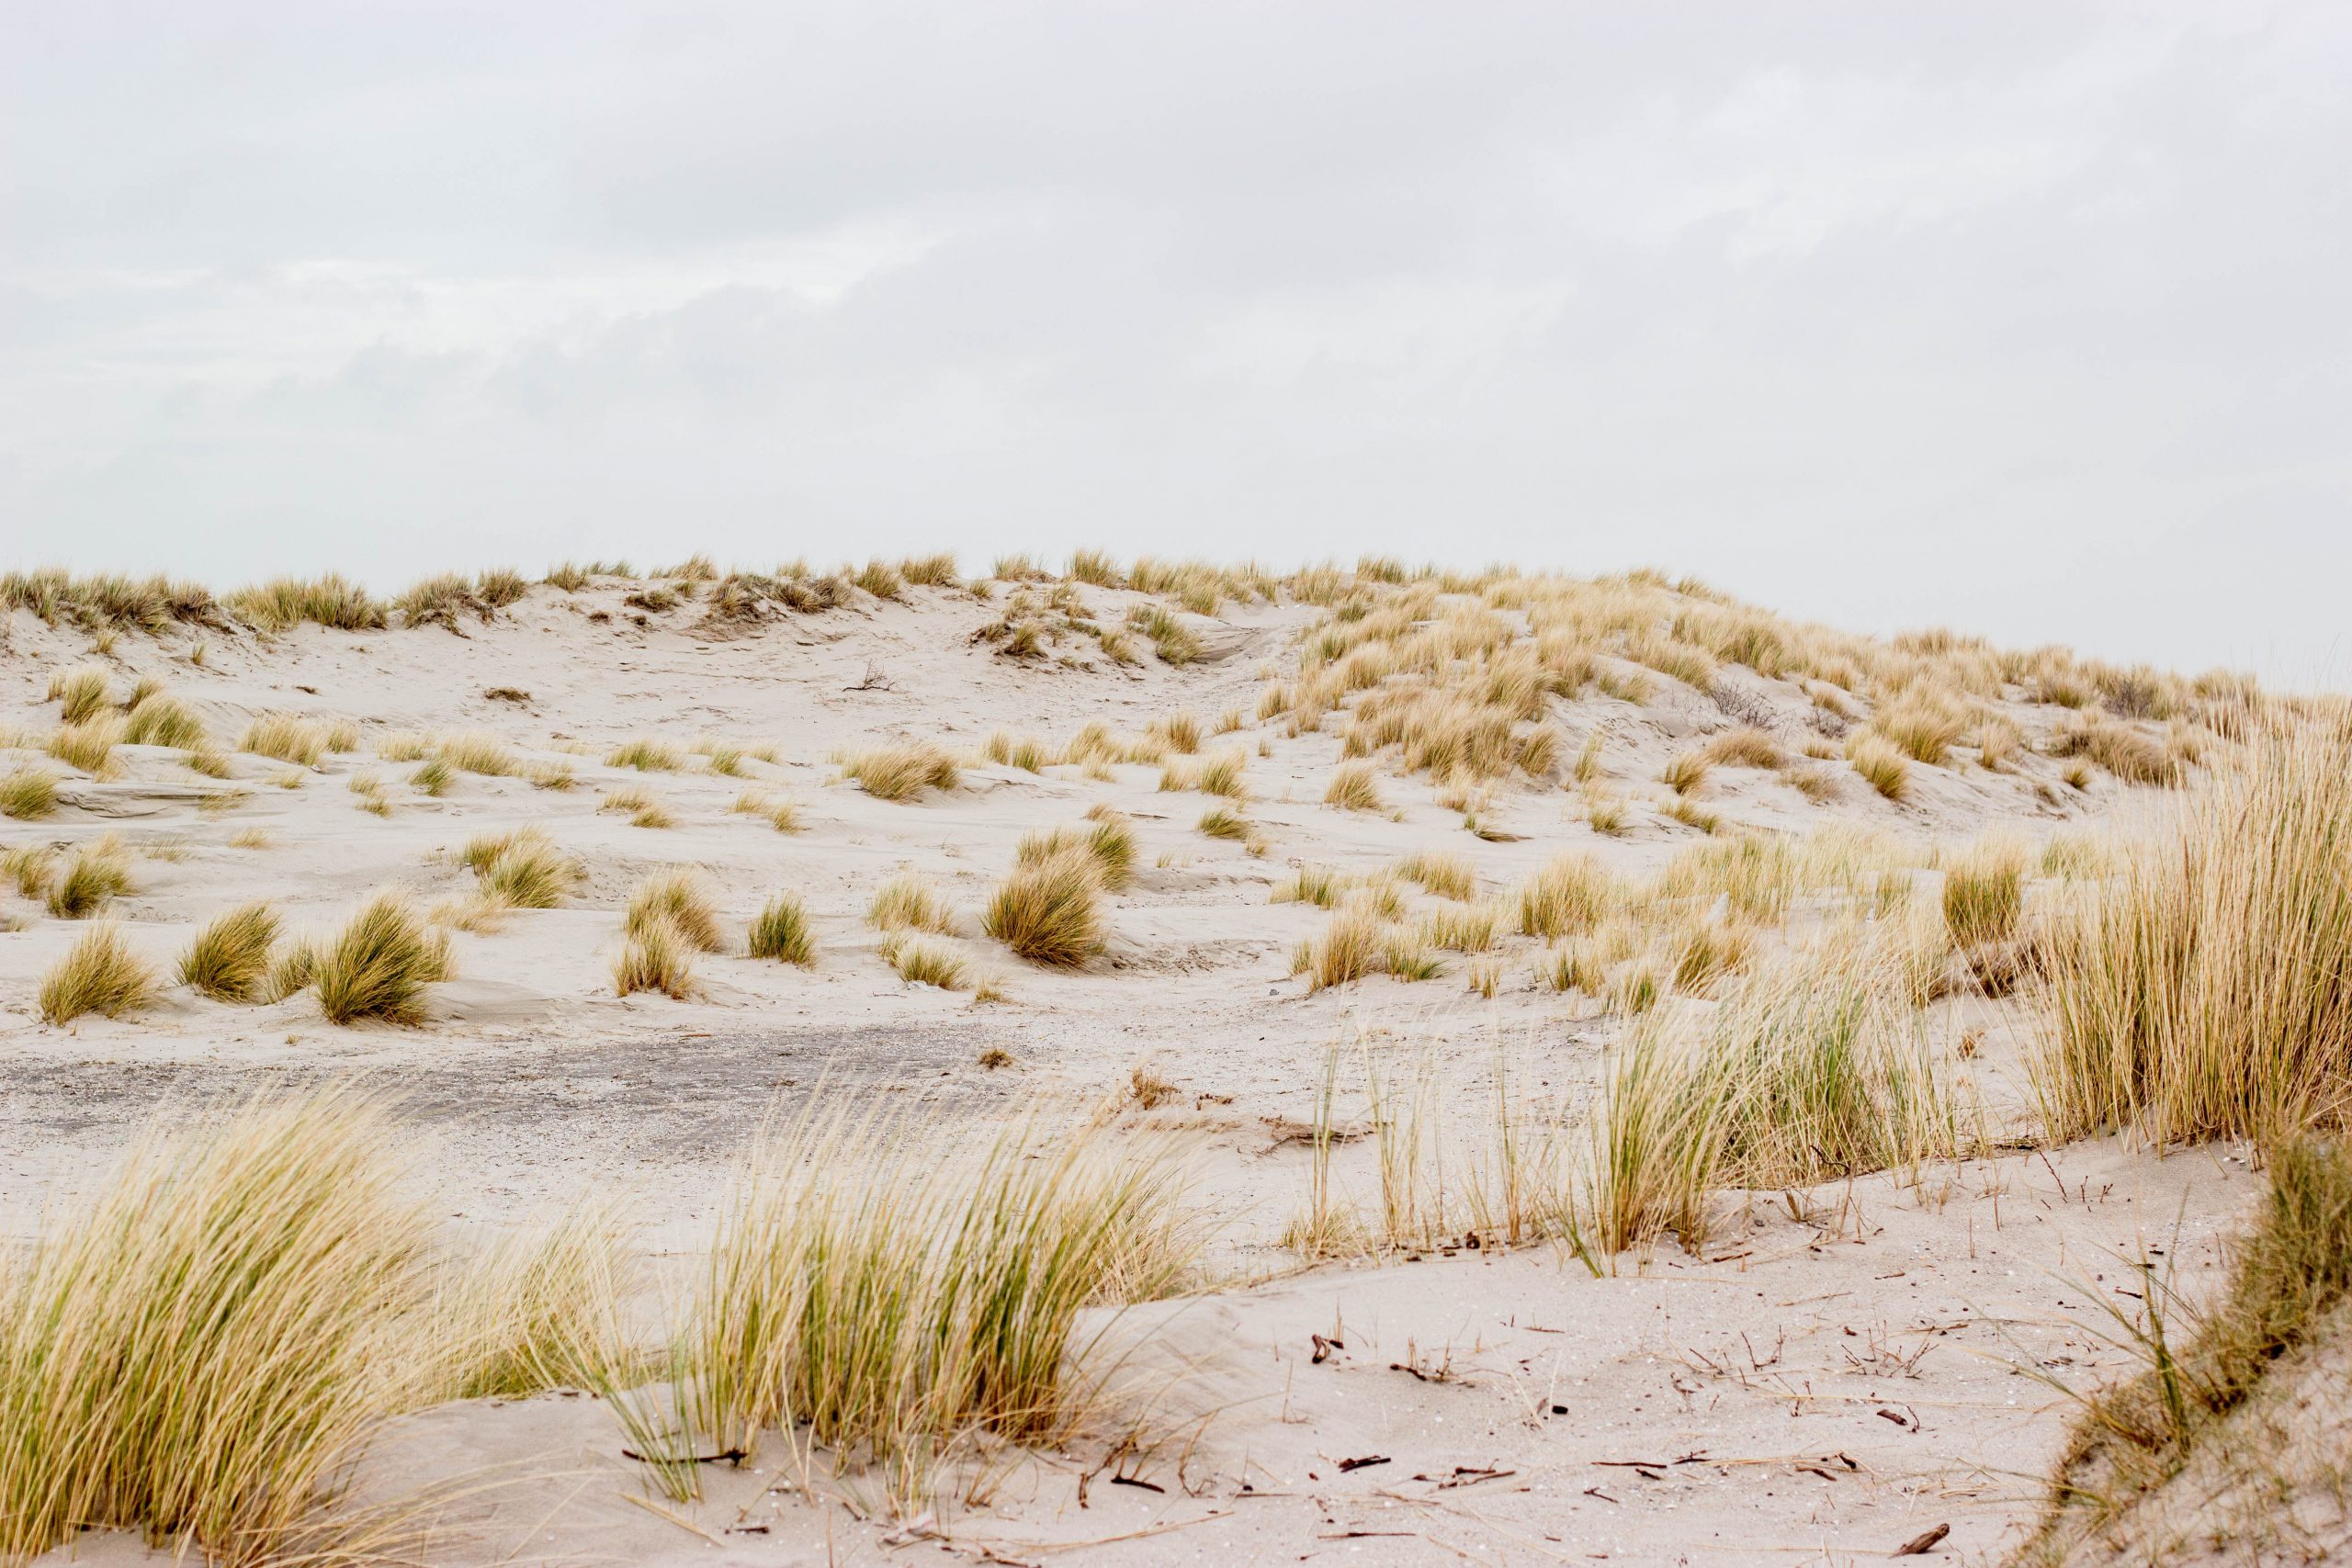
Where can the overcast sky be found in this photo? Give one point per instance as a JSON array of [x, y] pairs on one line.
[[2032, 317]]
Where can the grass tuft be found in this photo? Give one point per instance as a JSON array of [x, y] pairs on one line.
[[379, 965], [27, 793], [1046, 909], [678, 897], [229, 959], [98, 975], [899, 772], [781, 930]]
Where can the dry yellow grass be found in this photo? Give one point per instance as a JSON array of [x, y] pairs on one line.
[[285, 737], [27, 793], [1984, 897], [908, 902], [1881, 765], [229, 959], [99, 973], [1047, 910], [479, 752], [380, 963], [781, 930], [920, 963], [1354, 788], [2197, 990], [199, 1356], [94, 873], [644, 808], [646, 755], [89, 745], [901, 771], [162, 719], [1569, 895], [656, 955], [677, 897]]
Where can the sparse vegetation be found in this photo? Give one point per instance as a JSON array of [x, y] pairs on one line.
[[1354, 788], [285, 737]]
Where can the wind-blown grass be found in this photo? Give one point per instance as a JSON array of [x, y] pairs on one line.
[[27, 793], [899, 772], [781, 932], [2199, 988], [678, 897], [99, 974], [199, 1356], [98, 871], [379, 965], [866, 1296], [229, 959], [1047, 911], [285, 737]]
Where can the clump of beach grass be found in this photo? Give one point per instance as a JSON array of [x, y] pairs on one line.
[[2197, 989], [644, 808], [647, 755], [1569, 895], [1882, 764], [1111, 843], [380, 963], [94, 873], [900, 771], [89, 745], [229, 959], [920, 963], [678, 897], [781, 932], [1354, 788], [99, 973], [286, 737], [162, 719], [782, 815], [1047, 910], [27, 793], [908, 902], [1985, 890], [479, 752], [80, 690], [520, 869], [656, 955], [202, 1353]]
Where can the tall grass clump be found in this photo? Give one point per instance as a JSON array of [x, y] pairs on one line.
[[89, 745], [200, 1356], [1353, 787], [899, 772], [1047, 911], [866, 1296], [1882, 764], [27, 793], [229, 959], [1568, 896], [99, 973], [285, 737], [380, 963], [1985, 890], [98, 871], [1814, 1070], [79, 690], [1111, 843], [520, 869], [479, 752], [162, 719], [908, 902], [2199, 989], [656, 955], [679, 897], [781, 932], [646, 755], [284, 602]]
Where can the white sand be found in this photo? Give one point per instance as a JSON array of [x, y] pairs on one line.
[[1767, 1362]]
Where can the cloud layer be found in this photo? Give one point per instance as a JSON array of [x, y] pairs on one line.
[[2027, 319]]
